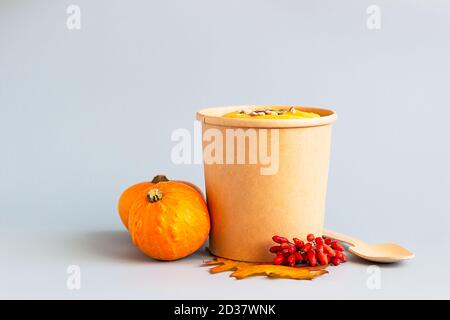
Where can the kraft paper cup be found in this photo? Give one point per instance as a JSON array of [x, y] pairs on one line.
[[247, 208]]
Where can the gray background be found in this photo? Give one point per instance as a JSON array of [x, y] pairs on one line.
[[86, 113]]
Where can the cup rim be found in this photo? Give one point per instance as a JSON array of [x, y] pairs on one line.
[[214, 116]]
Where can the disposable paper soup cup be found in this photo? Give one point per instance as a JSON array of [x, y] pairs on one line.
[[283, 193]]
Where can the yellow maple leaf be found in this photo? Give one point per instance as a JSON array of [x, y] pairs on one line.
[[247, 269]]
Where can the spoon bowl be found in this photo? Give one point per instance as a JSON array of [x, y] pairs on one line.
[[381, 252]]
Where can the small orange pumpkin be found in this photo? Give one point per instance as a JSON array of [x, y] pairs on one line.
[[129, 195], [167, 220]]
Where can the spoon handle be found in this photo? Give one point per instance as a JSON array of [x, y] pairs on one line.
[[341, 237]]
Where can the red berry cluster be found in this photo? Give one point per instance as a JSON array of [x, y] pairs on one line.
[[317, 251]]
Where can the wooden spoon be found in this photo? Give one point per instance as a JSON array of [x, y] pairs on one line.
[[383, 252]]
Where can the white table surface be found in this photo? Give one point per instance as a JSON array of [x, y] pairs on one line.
[[34, 266]]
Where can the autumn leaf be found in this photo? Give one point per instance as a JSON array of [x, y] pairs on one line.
[[274, 271], [224, 265], [247, 269]]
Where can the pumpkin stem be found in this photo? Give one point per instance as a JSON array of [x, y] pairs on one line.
[[154, 195], [160, 178]]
